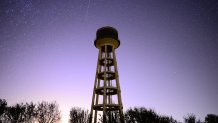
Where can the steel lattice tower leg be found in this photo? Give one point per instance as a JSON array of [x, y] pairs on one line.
[[106, 93]]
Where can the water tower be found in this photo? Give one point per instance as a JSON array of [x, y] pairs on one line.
[[106, 98]]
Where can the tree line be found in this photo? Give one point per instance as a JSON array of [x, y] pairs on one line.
[[48, 112], [138, 115], [43, 112]]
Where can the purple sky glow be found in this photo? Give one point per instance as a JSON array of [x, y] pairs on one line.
[[167, 61]]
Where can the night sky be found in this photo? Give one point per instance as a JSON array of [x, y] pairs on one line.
[[167, 60]]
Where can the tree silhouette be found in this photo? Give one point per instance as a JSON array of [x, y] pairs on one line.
[[141, 115], [48, 112], [3, 108], [191, 118], [78, 115], [30, 112], [211, 118], [16, 113], [166, 119]]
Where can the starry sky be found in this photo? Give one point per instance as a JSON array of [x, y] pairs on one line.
[[167, 60]]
